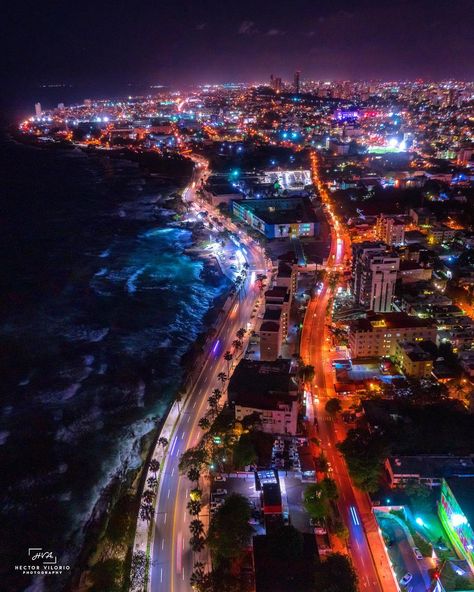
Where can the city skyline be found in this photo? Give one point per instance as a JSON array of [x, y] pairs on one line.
[[182, 43]]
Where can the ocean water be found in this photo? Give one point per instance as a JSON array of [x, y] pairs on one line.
[[98, 301]]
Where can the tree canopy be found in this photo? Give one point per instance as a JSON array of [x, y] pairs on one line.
[[364, 453], [336, 574], [333, 406], [230, 531]]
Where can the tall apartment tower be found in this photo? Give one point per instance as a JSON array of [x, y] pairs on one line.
[[390, 230], [374, 275], [297, 82], [38, 110]]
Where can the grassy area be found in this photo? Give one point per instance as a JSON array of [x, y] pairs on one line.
[[423, 545]]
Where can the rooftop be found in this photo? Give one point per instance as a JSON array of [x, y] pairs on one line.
[[263, 385], [388, 320], [284, 210], [433, 466]]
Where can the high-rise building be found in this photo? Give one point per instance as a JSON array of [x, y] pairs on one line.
[[297, 82], [391, 230], [374, 275], [38, 110], [275, 83]]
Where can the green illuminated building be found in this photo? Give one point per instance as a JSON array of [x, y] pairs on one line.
[[456, 511]]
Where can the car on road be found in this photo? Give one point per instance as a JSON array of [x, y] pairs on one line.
[[319, 525], [220, 492], [407, 578], [417, 553], [220, 478]]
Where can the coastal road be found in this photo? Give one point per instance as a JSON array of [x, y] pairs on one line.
[[172, 558], [315, 350]]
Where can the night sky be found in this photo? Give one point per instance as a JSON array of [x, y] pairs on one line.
[[105, 43]]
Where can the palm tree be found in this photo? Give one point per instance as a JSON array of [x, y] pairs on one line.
[[194, 507], [237, 344], [222, 377], [198, 576], [193, 474], [241, 333], [197, 544], [196, 527], [213, 404], [163, 441], [216, 393], [228, 357], [204, 423], [154, 465], [152, 482], [147, 511], [148, 496]]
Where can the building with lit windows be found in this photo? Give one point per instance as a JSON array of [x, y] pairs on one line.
[[374, 276], [391, 230], [456, 512], [269, 390], [414, 359], [285, 217], [377, 335]]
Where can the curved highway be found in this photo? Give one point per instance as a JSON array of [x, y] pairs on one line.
[[172, 558]]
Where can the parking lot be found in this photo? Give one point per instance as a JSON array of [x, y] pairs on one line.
[[292, 489]]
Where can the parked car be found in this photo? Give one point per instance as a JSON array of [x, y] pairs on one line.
[[220, 492], [319, 525], [407, 578], [417, 553]]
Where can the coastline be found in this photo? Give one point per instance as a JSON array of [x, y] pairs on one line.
[[124, 489], [94, 540]]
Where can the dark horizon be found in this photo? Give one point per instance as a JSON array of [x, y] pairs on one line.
[[107, 46]]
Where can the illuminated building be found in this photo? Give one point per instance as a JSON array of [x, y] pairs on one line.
[[378, 334], [269, 390], [414, 360], [38, 110], [390, 230], [297, 82], [456, 512], [375, 273], [279, 218]]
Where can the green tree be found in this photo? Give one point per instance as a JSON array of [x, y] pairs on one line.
[[336, 574], [193, 474], [194, 507], [228, 357], [163, 441], [306, 373], [192, 457], [138, 571], [329, 489], [197, 543], [315, 501], [154, 465], [364, 453], [222, 378], [333, 406], [196, 527], [229, 531], [204, 423], [244, 453]]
